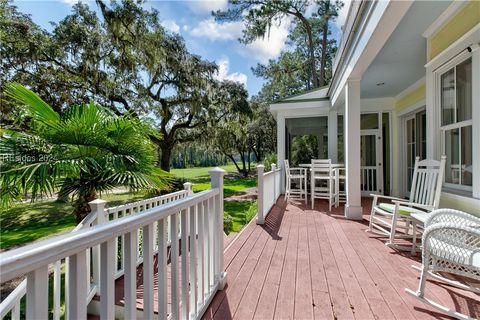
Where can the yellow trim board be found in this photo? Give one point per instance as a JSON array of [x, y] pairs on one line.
[[467, 18], [410, 98]]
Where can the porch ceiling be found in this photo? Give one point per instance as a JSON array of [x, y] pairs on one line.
[[401, 61]]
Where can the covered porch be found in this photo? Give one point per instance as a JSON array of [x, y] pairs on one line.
[[307, 264]]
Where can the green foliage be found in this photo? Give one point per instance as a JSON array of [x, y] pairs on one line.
[[269, 160], [227, 223], [85, 150], [304, 148], [121, 57], [241, 212], [309, 37], [23, 223]]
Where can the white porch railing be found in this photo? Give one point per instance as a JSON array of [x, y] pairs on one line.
[[269, 189], [369, 178], [176, 216]]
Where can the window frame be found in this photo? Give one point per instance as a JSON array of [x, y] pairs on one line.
[[449, 65]]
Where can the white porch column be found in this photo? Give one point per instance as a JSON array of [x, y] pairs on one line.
[[353, 207], [281, 148], [332, 135]]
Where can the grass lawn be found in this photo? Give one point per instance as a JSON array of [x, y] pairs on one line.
[[199, 173], [27, 222], [201, 179], [241, 212]]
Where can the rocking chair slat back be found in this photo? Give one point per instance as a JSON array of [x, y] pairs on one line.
[[427, 182]]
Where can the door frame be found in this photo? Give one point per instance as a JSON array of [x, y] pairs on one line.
[[379, 158], [411, 114]]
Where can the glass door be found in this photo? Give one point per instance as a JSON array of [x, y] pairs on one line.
[[415, 144], [371, 178]]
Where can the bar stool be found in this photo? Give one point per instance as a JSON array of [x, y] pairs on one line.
[[292, 175], [322, 181]]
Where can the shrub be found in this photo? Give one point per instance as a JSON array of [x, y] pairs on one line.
[[269, 159], [227, 223]]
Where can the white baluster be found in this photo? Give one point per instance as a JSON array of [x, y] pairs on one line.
[[57, 287], [77, 287], [261, 194], [185, 271], [130, 253], [193, 262], [37, 293], [108, 267], [162, 269], [174, 265], [206, 230], [201, 254], [148, 271]]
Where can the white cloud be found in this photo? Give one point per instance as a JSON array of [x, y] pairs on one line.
[[223, 68], [207, 6], [212, 30], [72, 2], [185, 27], [171, 25], [270, 46]]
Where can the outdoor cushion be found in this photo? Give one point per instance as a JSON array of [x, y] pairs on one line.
[[403, 210]]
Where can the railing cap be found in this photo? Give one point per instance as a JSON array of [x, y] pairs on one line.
[[97, 201], [217, 171]]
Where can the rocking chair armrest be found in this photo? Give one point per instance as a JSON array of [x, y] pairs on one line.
[[377, 196], [380, 196], [412, 204]]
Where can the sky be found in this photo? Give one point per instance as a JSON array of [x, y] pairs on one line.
[[212, 40]]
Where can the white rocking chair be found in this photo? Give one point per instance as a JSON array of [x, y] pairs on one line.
[[295, 175], [451, 244], [424, 198]]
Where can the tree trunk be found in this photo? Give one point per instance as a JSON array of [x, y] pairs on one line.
[[81, 206], [165, 154], [234, 162], [323, 58], [311, 50]]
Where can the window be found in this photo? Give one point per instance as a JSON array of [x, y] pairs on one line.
[[456, 124]]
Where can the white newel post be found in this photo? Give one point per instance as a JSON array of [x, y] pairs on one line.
[[274, 167], [260, 191], [188, 187], [216, 176], [281, 148], [97, 206], [353, 207]]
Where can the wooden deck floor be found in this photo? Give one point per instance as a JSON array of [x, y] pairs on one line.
[[307, 264]]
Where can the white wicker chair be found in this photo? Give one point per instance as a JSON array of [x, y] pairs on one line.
[[295, 175], [451, 244], [424, 198]]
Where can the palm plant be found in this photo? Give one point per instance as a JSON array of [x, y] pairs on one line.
[[85, 150]]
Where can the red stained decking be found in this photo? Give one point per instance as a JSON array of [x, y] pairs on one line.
[[307, 264]]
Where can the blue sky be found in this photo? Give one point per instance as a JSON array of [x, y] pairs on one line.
[[193, 20]]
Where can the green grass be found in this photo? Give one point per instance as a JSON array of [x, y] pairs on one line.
[[241, 212], [28, 222], [200, 173]]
